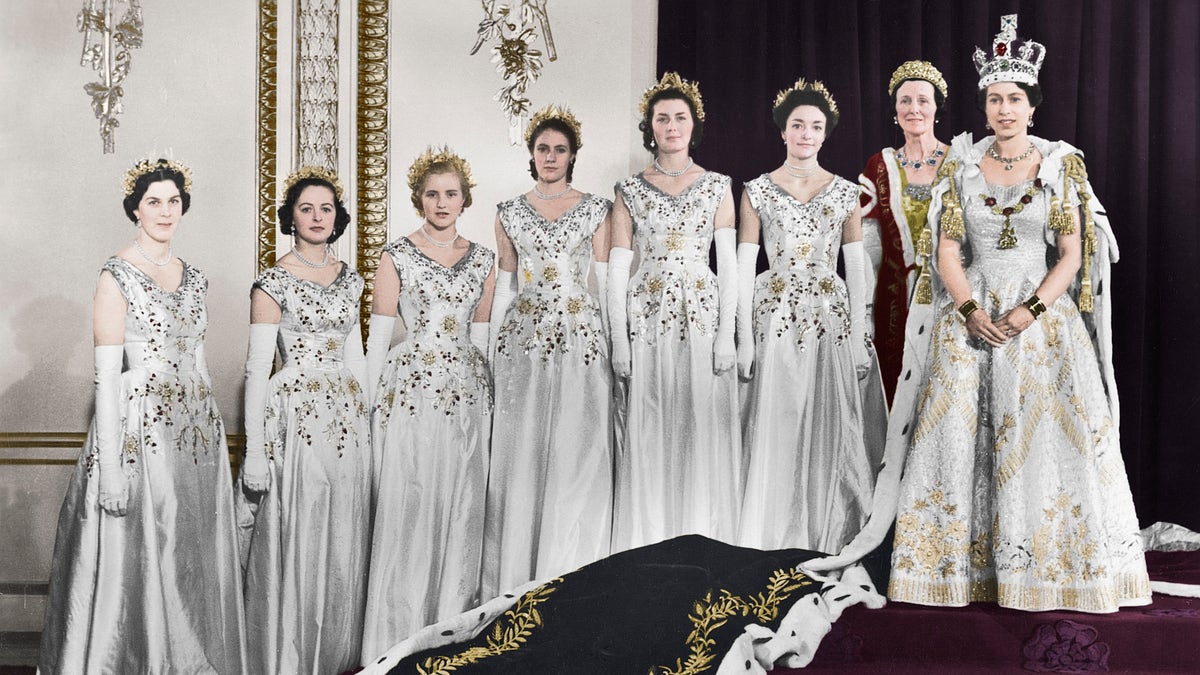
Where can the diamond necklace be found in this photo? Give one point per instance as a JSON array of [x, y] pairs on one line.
[[1008, 161], [138, 245], [674, 174], [916, 164]]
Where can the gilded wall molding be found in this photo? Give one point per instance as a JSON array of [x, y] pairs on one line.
[[43, 440], [371, 127], [267, 120], [316, 83]]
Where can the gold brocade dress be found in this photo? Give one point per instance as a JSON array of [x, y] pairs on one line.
[[1014, 489]]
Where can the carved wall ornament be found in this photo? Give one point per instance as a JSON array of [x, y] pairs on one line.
[[106, 44], [514, 27]]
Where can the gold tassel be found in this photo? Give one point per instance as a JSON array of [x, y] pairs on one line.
[[1086, 302], [1060, 220], [924, 285], [1074, 169]]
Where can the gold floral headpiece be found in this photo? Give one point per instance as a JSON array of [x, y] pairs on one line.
[[918, 70], [671, 80], [432, 156], [318, 172], [803, 85], [554, 112], [150, 166]]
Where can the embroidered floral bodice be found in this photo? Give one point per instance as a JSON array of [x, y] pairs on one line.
[[672, 235], [317, 320], [553, 312], [436, 359], [163, 329], [802, 239]]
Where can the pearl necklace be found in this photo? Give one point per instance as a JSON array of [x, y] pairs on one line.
[[798, 171], [435, 242], [138, 245], [556, 195], [306, 261], [916, 164], [674, 174], [1009, 161]]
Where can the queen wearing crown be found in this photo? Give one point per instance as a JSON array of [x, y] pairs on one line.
[[679, 464], [145, 576], [550, 485], [304, 495], [1014, 489]]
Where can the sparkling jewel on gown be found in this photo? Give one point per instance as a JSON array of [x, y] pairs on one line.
[[679, 468], [157, 590], [305, 541], [550, 486], [1014, 488], [809, 482], [430, 429]]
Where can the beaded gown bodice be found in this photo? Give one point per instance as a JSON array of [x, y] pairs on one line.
[[553, 312], [163, 329], [674, 290], [1026, 260], [317, 320]]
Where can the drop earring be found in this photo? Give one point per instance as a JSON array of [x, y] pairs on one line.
[[895, 120], [653, 144], [1030, 125]]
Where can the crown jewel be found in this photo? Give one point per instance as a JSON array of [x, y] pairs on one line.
[[150, 166], [672, 80], [318, 172], [555, 112], [918, 70], [1008, 63], [804, 85]]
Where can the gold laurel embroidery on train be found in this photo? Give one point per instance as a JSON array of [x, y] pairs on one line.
[[709, 615], [507, 635]]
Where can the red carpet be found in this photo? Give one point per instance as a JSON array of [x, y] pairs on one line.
[[984, 638]]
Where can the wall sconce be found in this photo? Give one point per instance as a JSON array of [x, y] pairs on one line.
[[106, 48]]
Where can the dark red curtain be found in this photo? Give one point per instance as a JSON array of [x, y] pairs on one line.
[[1120, 81]]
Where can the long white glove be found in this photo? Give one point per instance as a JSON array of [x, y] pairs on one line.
[[355, 359], [506, 290], [379, 341], [856, 282], [620, 259], [747, 265], [114, 487], [601, 271], [260, 355], [724, 352], [479, 337]]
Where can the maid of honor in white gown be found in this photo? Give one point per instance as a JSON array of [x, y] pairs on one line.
[[550, 487], [432, 413]]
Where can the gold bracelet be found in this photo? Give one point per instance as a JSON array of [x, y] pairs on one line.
[[967, 308], [1035, 305]]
